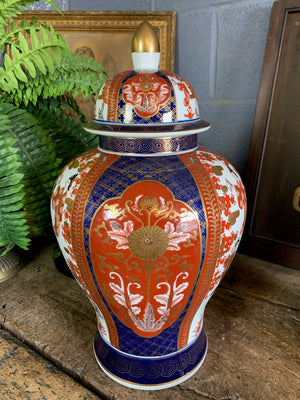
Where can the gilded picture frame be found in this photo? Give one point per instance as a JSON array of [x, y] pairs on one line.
[[106, 35]]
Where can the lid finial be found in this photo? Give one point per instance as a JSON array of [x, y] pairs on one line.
[[145, 39], [145, 49]]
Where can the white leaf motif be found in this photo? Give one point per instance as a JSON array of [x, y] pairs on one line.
[[174, 237], [177, 290], [119, 234], [120, 299], [163, 298], [136, 310], [135, 299], [119, 295]]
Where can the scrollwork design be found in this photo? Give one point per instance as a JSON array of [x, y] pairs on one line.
[[154, 273]]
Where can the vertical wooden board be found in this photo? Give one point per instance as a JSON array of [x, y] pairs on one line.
[[272, 177]]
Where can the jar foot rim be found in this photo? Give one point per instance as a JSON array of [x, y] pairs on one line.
[[151, 373]]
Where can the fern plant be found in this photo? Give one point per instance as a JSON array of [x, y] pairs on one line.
[[39, 79], [13, 226]]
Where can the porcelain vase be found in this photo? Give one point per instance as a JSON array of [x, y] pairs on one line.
[[148, 223], [148, 239]]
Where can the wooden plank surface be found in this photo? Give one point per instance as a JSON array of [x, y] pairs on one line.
[[252, 323], [263, 280], [26, 375]]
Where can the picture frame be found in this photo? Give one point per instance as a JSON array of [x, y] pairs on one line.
[[106, 35]]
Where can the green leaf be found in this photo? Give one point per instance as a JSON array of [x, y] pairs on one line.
[[18, 218], [11, 199], [10, 180], [34, 38], [30, 67], [20, 74], [48, 59], [57, 55], [44, 35], [39, 57], [15, 53], [39, 63], [67, 134], [23, 44], [39, 164], [13, 228], [7, 61]]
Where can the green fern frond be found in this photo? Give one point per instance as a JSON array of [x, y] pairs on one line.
[[76, 74], [26, 60], [39, 166], [67, 133], [33, 141], [13, 224], [11, 8]]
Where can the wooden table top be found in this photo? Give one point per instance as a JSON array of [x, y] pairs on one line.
[[252, 322]]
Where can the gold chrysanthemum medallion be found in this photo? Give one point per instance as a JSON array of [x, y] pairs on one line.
[[148, 242]]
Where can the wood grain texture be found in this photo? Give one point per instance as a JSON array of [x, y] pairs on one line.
[[252, 323], [24, 375], [272, 177]]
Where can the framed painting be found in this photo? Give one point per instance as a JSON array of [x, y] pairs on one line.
[[106, 35]]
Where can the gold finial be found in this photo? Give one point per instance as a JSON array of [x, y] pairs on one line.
[[145, 39]]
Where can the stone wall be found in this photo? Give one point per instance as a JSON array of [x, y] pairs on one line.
[[219, 49]]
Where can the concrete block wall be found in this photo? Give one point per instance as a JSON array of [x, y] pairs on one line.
[[220, 46]]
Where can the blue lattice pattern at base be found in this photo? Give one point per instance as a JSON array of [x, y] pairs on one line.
[[147, 372], [147, 146]]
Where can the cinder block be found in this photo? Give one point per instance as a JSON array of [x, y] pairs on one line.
[[230, 132], [193, 46], [42, 6], [242, 37], [111, 5], [189, 5]]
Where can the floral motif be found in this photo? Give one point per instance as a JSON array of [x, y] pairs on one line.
[[189, 114], [176, 237], [153, 234], [130, 300], [146, 92], [149, 203], [58, 202], [147, 290], [62, 204], [241, 195], [102, 100], [186, 95], [232, 201], [119, 234], [148, 242]]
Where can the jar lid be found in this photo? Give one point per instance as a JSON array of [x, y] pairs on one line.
[[146, 101]]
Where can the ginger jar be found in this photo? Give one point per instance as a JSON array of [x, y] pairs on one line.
[[148, 223]]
